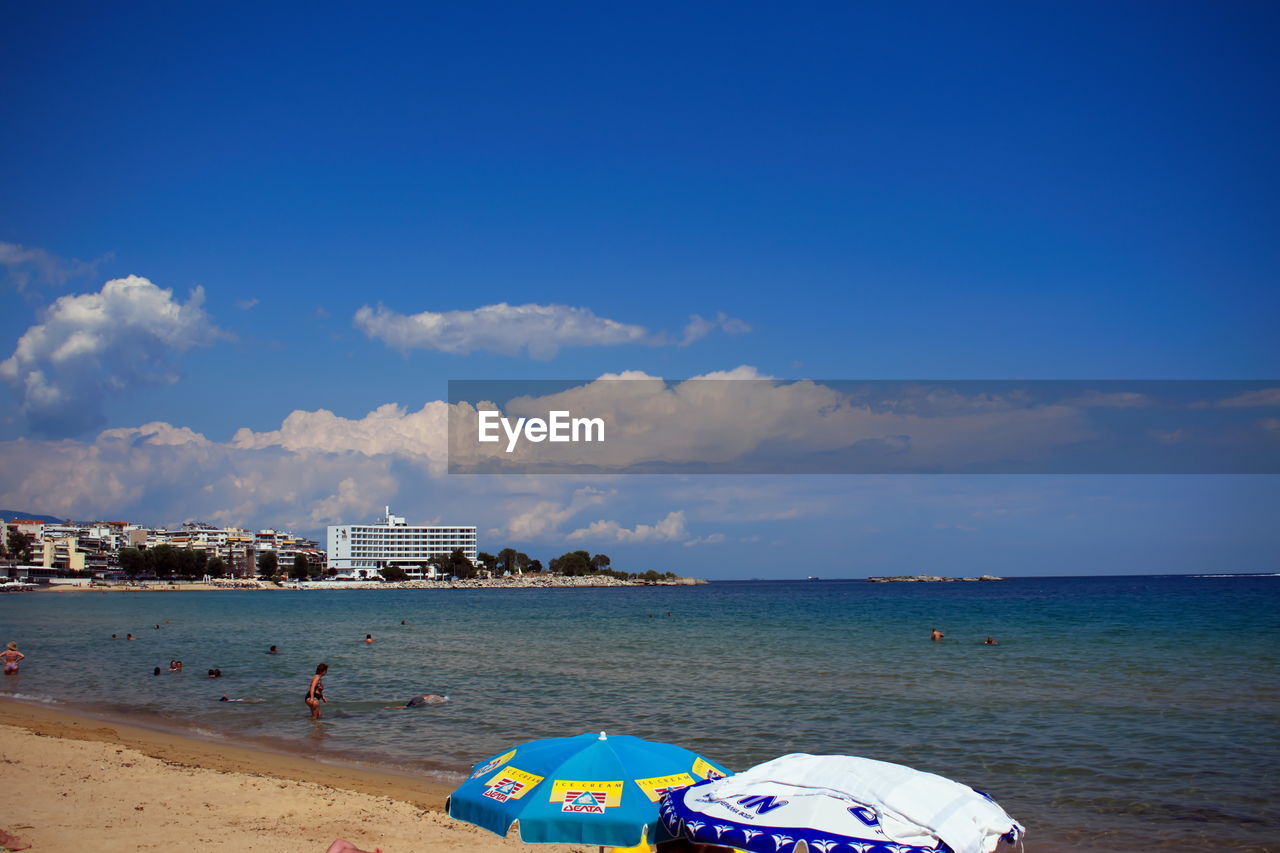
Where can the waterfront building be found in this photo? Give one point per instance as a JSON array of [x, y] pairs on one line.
[[79, 547], [358, 551]]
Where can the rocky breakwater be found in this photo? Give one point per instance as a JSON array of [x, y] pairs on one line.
[[929, 579]]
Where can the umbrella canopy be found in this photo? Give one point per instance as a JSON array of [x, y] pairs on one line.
[[590, 789], [838, 804]]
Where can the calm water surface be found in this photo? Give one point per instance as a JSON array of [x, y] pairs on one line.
[[1115, 714]]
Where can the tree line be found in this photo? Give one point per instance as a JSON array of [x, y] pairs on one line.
[[511, 561], [169, 561]]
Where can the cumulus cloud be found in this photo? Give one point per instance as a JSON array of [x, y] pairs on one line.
[[388, 429], [741, 421], [544, 517], [94, 344], [540, 331], [164, 474], [25, 267], [317, 468], [669, 529]]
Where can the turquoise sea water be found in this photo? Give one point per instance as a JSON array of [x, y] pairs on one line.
[[1133, 713]]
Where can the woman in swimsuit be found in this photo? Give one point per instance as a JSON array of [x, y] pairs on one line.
[[11, 656], [315, 692]]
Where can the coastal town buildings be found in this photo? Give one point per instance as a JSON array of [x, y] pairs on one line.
[[93, 547], [358, 551]]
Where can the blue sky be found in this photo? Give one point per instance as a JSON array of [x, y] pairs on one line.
[[1060, 190]]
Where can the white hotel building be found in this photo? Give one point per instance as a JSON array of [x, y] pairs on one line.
[[359, 550]]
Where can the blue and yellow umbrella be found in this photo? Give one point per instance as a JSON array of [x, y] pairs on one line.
[[589, 789]]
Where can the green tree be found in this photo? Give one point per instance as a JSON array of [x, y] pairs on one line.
[[572, 564], [163, 560], [460, 566], [487, 561], [301, 567], [600, 562], [216, 567], [19, 545], [440, 563], [393, 573], [191, 562], [507, 560], [268, 564], [132, 561], [534, 566]]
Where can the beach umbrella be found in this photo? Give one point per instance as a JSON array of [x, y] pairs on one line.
[[838, 804], [589, 789]]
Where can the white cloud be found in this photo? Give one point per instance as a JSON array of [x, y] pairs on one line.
[[388, 429], [651, 425], [698, 328], [710, 539], [246, 304], [544, 517], [163, 474], [539, 331], [25, 266], [669, 529], [1263, 397], [94, 344]]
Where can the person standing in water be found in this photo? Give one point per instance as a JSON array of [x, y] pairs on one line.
[[11, 656], [315, 691]]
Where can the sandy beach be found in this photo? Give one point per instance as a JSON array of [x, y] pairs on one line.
[[76, 783]]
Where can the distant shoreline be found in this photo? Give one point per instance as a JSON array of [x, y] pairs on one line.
[[524, 582]]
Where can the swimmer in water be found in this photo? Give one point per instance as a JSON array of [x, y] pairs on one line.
[[10, 657], [368, 638], [990, 641], [157, 671], [215, 673], [935, 635], [175, 666], [273, 651], [226, 699], [419, 701], [130, 637]]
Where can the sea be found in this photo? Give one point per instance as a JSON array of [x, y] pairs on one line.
[[1112, 714]]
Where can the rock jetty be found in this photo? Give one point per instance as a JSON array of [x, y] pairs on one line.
[[929, 579]]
